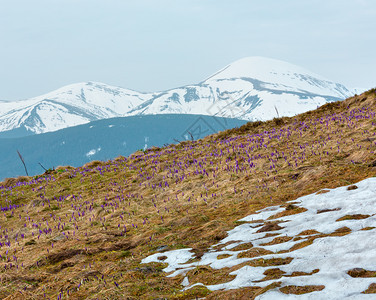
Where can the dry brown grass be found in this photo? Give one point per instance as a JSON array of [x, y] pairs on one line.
[[322, 192], [309, 232], [296, 274], [261, 262], [254, 252], [272, 274], [209, 276], [223, 256], [353, 217], [327, 210], [241, 294], [303, 244], [276, 273], [177, 216], [222, 246], [360, 272], [243, 246], [340, 231], [300, 290], [352, 187], [368, 228], [8, 182], [269, 226], [290, 210], [371, 289], [313, 234], [278, 240]]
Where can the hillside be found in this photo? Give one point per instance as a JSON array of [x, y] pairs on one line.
[[253, 88], [107, 229]]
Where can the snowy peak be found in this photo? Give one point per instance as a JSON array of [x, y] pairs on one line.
[[68, 106], [280, 75], [248, 89], [96, 94], [262, 68]]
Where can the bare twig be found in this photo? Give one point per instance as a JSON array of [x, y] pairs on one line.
[[23, 162], [42, 167], [276, 111], [192, 139]]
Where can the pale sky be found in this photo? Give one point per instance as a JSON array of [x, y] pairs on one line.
[[154, 45]]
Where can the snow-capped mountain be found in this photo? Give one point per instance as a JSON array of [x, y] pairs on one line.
[[69, 106], [253, 88]]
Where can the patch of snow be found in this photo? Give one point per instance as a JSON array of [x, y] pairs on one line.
[[185, 281], [93, 152], [332, 255]]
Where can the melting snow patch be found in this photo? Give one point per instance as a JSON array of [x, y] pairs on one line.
[[93, 152], [320, 237]]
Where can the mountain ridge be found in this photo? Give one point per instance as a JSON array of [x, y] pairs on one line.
[[248, 89]]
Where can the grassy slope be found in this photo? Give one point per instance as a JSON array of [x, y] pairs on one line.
[[68, 234]]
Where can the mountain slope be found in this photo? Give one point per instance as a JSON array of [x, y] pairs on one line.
[[253, 88], [69, 106], [280, 75], [87, 232], [103, 140]]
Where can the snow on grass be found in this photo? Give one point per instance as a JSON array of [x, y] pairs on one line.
[[333, 235]]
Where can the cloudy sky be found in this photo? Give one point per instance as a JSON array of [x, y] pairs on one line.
[[153, 45]]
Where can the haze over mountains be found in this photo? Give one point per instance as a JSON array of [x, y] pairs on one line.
[[253, 88], [103, 140]]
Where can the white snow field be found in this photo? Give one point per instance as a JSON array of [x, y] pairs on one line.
[[342, 225]]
